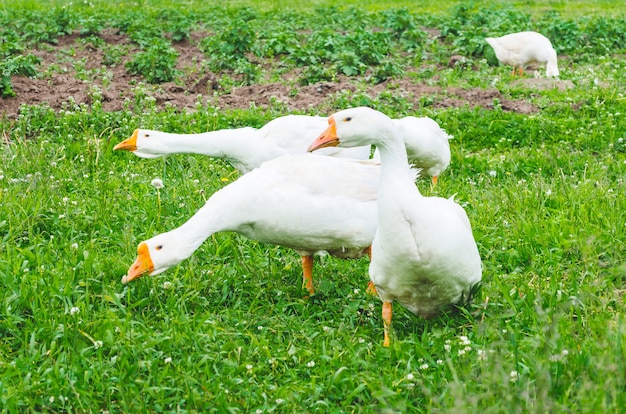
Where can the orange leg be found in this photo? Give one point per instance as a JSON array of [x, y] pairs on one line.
[[435, 179], [387, 313], [371, 289], [307, 272]]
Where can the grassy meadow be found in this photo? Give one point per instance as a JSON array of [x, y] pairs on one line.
[[231, 329]]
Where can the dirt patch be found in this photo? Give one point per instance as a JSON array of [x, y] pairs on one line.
[[76, 69]]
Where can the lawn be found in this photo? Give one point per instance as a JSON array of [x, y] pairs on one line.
[[538, 165]]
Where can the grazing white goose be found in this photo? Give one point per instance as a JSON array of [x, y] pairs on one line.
[[423, 254], [247, 148], [308, 202], [520, 49]]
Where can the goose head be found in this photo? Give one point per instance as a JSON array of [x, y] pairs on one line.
[[145, 143], [355, 127], [156, 255]]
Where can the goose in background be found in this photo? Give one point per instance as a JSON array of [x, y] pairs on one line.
[[307, 202], [423, 254], [523, 48]]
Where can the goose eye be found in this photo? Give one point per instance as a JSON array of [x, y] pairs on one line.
[[146, 135], [159, 247], [347, 119]]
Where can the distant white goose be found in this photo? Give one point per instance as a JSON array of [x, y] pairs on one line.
[[523, 48], [247, 148], [423, 254], [310, 203]]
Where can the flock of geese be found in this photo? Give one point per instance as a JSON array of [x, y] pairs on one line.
[[331, 194]]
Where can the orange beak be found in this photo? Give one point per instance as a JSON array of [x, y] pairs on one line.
[[142, 266], [129, 144], [328, 138]]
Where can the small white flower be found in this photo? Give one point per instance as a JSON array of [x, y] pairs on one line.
[[464, 340], [51, 399], [74, 246], [310, 364], [482, 355], [439, 362], [167, 285], [157, 183], [493, 173], [249, 366], [357, 291], [410, 376], [514, 376], [97, 344], [167, 360], [424, 366], [74, 310], [461, 352], [279, 401], [271, 361], [447, 347], [260, 327], [548, 192]]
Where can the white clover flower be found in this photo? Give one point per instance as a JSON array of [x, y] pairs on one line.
[[548, 192], [97, 344], [260, 327], [424, 366], [464, 340], [167, 285], [74, 246], [410, 376], [167, 360], [513, 376], [74, 310], [157, 183], [279, 401], [310, 364], [439, 362], [447, 347], [493, 173], [249, 366], [482, 355]]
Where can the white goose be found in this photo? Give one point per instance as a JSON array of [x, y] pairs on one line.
[[423, 254], [523, 48], [307, 202], [247, 148]]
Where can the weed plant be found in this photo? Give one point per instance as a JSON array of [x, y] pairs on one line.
[[230, 329]]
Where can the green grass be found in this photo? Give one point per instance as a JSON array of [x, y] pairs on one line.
[[230, 329]]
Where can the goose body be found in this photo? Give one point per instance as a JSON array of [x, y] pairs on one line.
[[309, 203], [247, 148], [426, 143], [523, 48], [423, 254]]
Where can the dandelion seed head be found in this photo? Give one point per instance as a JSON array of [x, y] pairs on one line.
[[157, 183]]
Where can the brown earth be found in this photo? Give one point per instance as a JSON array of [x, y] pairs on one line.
[[71, 68]]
